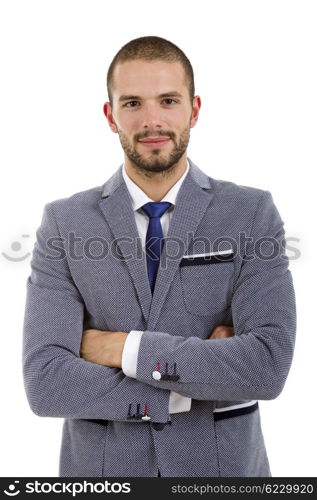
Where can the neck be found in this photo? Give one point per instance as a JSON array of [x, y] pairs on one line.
[[155, 184]]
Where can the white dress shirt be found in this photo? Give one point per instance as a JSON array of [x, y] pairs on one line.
[[177, 402]]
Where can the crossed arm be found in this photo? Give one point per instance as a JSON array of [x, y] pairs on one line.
[[106, 347]]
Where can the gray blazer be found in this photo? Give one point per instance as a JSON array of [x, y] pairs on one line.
[[87, 271]]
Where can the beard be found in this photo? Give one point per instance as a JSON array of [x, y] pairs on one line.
[[158, 161]]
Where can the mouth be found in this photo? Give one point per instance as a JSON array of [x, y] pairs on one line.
[[154, 142]]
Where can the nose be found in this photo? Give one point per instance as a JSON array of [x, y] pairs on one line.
[[152, 117]]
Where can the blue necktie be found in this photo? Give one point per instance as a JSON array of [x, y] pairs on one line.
[[154, 237]]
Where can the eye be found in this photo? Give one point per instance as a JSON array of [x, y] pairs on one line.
[[169, 100], [126, 104]]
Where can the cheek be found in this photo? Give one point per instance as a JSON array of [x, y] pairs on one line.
[[130, 126], [178, 122]]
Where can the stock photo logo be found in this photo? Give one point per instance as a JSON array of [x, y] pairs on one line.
[[12, 490], [16, 247]]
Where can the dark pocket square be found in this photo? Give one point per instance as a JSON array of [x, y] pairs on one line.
[[207, 259]]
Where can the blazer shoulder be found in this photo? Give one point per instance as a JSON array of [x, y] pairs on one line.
[[231, 190], [81, 200], [227, 186], [255, 206]]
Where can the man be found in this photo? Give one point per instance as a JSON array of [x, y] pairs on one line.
[[156, 354]]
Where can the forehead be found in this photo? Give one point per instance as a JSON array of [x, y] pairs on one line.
[[148, 78]]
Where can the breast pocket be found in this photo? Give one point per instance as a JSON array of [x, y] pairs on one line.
[[207, 282]]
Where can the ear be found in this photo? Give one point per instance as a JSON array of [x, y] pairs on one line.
[[195, 110], [108, 114]]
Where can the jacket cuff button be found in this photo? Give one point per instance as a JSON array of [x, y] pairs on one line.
[[156, 375]]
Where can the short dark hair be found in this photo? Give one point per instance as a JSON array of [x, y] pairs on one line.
[[151, 48]]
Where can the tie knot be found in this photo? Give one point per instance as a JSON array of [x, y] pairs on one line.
[[156, 208]]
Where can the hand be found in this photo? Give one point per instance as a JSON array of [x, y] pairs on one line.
[[221, 332], [103, 347]]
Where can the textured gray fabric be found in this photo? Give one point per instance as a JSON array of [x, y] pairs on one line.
[[65, 296]]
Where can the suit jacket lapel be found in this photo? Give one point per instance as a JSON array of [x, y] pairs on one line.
[[117, 208], [191, 204]]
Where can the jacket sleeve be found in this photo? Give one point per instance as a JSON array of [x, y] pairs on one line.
[[254, 363], [177, 403], [57, 381]]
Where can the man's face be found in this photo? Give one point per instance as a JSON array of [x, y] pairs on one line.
[[151, 101]]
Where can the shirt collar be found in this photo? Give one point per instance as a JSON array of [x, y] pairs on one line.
[[139, 197]]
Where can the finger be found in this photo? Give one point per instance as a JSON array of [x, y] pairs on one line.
[[222, 331]]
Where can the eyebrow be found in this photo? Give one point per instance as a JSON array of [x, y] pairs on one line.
[[173, 93]]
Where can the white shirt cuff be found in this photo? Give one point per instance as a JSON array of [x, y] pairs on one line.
[[178, 403], [130, 353]]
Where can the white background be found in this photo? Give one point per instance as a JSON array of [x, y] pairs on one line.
[[255, 71]]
